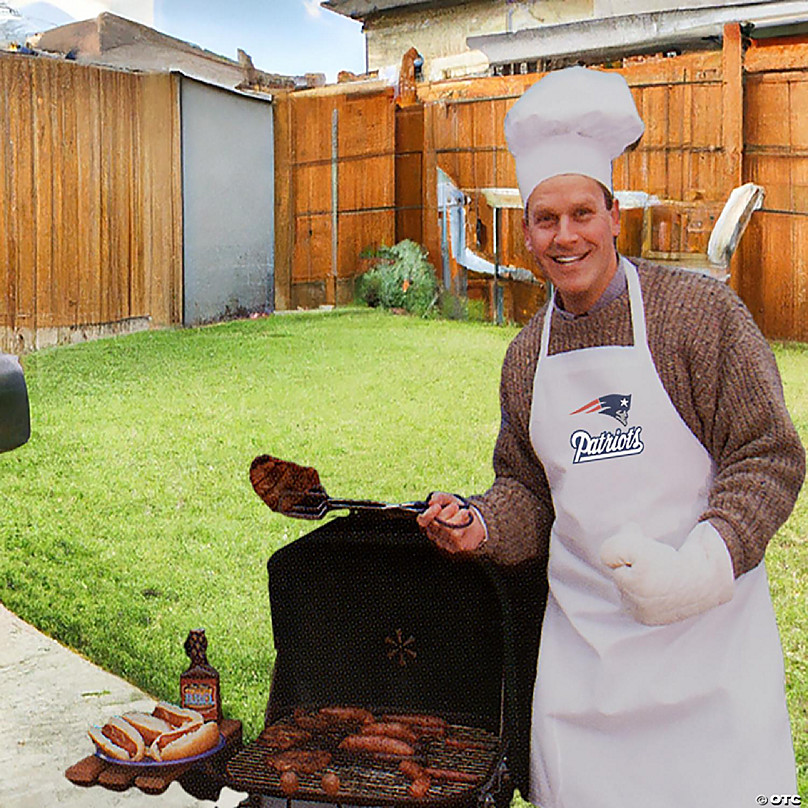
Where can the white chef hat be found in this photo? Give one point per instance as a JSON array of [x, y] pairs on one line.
[[572, 121]]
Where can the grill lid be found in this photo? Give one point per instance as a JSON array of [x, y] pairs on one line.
[[365, 610]]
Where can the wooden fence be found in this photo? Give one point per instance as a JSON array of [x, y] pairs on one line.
[[774, 253], [335, 195], [90, 184], [713, 119], [90, 202]]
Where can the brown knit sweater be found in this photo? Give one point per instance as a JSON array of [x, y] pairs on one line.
[[721, 377]]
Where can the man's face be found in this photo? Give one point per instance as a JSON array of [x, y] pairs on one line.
[[570, 232]]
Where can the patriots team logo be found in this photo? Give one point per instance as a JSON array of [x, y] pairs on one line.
[[615, 405]]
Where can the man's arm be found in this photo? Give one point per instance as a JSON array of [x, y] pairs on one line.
[[517, 509], [760, 460], [512, 519]]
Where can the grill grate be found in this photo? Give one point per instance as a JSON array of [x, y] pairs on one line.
[[372, 781]]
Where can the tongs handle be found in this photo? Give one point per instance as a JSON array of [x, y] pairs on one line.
[[296, 491], [415, 507], [420, 506]]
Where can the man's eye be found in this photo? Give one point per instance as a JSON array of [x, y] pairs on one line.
[[543, 219], [583, 213]]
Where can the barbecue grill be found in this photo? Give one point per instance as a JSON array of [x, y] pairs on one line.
[[367, 612]]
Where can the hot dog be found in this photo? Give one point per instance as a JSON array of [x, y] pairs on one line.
[[149, 726], [185, 742], [376, 745], [177, 716], [119, 739], [312, 721]]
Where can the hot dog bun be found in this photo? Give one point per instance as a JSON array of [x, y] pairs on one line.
[[119, 739], [185, 742], [106, 746], [149, 726], [177, 716]]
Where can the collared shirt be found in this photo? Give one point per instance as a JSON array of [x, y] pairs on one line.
[[617, 285]]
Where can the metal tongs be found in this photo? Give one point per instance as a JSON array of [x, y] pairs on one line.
[[296, 491]]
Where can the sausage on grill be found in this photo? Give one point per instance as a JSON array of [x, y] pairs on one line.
[[391, 729], [376, 745], [452, 775], [419, 787], [411, 769], [356, 715], [464, 745], [422, 724], [282, 737], [312, 721]]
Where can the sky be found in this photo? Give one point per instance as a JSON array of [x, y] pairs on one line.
[[290, 37]]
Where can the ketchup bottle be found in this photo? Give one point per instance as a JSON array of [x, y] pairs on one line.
[[199, 685]]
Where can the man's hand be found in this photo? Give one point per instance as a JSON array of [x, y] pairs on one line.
[[451, 511], [661, 585]]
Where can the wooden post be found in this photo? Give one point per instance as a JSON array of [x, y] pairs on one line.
[[284, 201], [331, 285], [732, 91], [431, 227], [732, 68]]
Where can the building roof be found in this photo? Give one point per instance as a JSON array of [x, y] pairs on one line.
[[114, 41], [610, 37], [363, 9]]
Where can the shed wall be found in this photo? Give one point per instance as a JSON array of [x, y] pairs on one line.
[[228, 201]]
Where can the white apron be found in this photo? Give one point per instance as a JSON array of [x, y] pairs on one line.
[[691, 714]]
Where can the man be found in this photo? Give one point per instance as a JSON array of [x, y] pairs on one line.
[[646, 453]]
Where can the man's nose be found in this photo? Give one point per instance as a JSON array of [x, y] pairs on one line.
[[566, 232]]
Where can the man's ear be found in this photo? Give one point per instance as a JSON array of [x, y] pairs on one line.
[[526, 233], [615, 213]]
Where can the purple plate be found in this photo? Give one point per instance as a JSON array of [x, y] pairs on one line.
[[148, 763]]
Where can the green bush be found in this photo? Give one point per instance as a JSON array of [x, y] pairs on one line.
[[402, 278]]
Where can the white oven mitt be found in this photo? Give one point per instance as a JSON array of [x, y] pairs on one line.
[[659, 584]]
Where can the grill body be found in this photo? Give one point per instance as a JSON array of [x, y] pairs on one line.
[[367, 612]]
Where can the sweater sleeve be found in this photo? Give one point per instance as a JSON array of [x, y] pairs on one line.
[[517, 509], [738, 396]]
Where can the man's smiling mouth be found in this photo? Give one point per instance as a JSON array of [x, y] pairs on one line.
[[567, 259]]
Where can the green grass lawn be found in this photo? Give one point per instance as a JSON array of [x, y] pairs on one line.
[[129, 517]]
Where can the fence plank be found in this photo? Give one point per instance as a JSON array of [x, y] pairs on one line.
[[22, 195]]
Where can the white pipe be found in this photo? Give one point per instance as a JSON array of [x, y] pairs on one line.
[[452, 200]]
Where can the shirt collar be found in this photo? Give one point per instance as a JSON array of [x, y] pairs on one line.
[[617, 285]]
